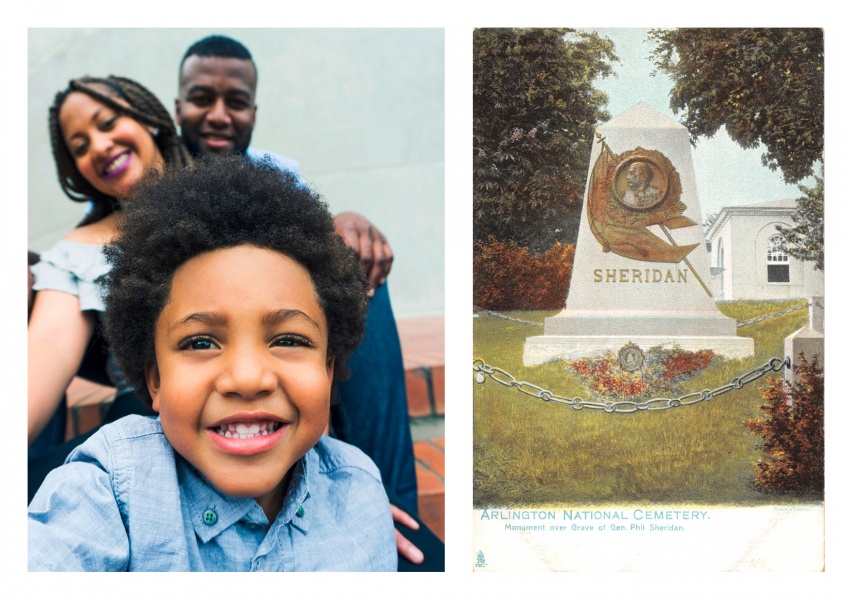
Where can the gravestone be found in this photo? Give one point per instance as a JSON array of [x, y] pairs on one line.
[[805, 342], [640, 271]]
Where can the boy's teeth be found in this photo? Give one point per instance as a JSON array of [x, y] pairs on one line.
[[247, 430]]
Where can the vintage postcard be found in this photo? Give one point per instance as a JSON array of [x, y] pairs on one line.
[[648, 300]]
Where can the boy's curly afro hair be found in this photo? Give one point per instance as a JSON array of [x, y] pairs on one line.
[[221, 202]]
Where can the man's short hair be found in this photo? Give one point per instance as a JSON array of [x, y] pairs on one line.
[[218, 46]]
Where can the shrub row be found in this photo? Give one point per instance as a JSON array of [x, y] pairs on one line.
[[509, 277]]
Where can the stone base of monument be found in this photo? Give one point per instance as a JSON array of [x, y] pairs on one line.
[[577, 334], [546, 348]]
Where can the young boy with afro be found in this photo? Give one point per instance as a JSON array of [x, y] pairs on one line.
[[231, 306]]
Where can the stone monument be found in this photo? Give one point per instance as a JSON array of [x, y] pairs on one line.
[[640, 270]]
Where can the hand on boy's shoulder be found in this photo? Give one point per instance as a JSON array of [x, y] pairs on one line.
[[349, 491], [403, 546]]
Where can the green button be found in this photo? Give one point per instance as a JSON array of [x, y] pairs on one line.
[[209, 517], [300, 511]]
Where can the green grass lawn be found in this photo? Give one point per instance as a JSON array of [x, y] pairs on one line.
[[532, 453]]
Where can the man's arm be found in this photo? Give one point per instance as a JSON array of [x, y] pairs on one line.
[[371, 247]]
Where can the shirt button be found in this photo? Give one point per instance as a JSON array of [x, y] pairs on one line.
[[300, 511], [209, 517]]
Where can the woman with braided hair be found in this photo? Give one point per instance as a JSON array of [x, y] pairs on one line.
[[105, 134]]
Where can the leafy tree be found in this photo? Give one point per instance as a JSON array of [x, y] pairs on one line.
[[806, 239], [764, 85], [534, 113]]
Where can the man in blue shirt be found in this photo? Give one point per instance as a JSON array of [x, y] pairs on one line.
[[216, 112]]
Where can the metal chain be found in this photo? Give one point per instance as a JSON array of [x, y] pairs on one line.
[[773, 315], [625, 406]]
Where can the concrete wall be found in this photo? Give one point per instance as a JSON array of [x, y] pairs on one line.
[[361, 109]]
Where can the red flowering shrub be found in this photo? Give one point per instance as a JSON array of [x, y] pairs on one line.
[[664, 369], [793, 435], [605, 382], [684, 364], [509, 277]]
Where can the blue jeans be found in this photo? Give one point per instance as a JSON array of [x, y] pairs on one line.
[[53, 434], [372, 408]]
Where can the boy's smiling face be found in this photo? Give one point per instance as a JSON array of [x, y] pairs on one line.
[[242, 378]]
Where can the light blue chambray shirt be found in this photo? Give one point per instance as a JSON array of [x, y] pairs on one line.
[[283, 163], [125, 501]]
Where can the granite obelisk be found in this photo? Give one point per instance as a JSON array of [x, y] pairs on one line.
[[640, 271]]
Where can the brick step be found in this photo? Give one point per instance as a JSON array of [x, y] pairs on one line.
[[429, 463], [422, 341]]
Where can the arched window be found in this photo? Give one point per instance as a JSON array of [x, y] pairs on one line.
[[778, 265]]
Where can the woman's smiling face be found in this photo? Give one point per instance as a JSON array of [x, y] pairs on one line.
[[111, 150]]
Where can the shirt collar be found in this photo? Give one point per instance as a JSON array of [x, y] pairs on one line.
[[212, 512], [295, 508]]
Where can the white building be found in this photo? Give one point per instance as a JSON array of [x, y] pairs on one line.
[[748, 259]]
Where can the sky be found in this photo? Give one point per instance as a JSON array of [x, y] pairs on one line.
[[726, 175]]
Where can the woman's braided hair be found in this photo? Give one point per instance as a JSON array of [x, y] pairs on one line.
[[144, 107]]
